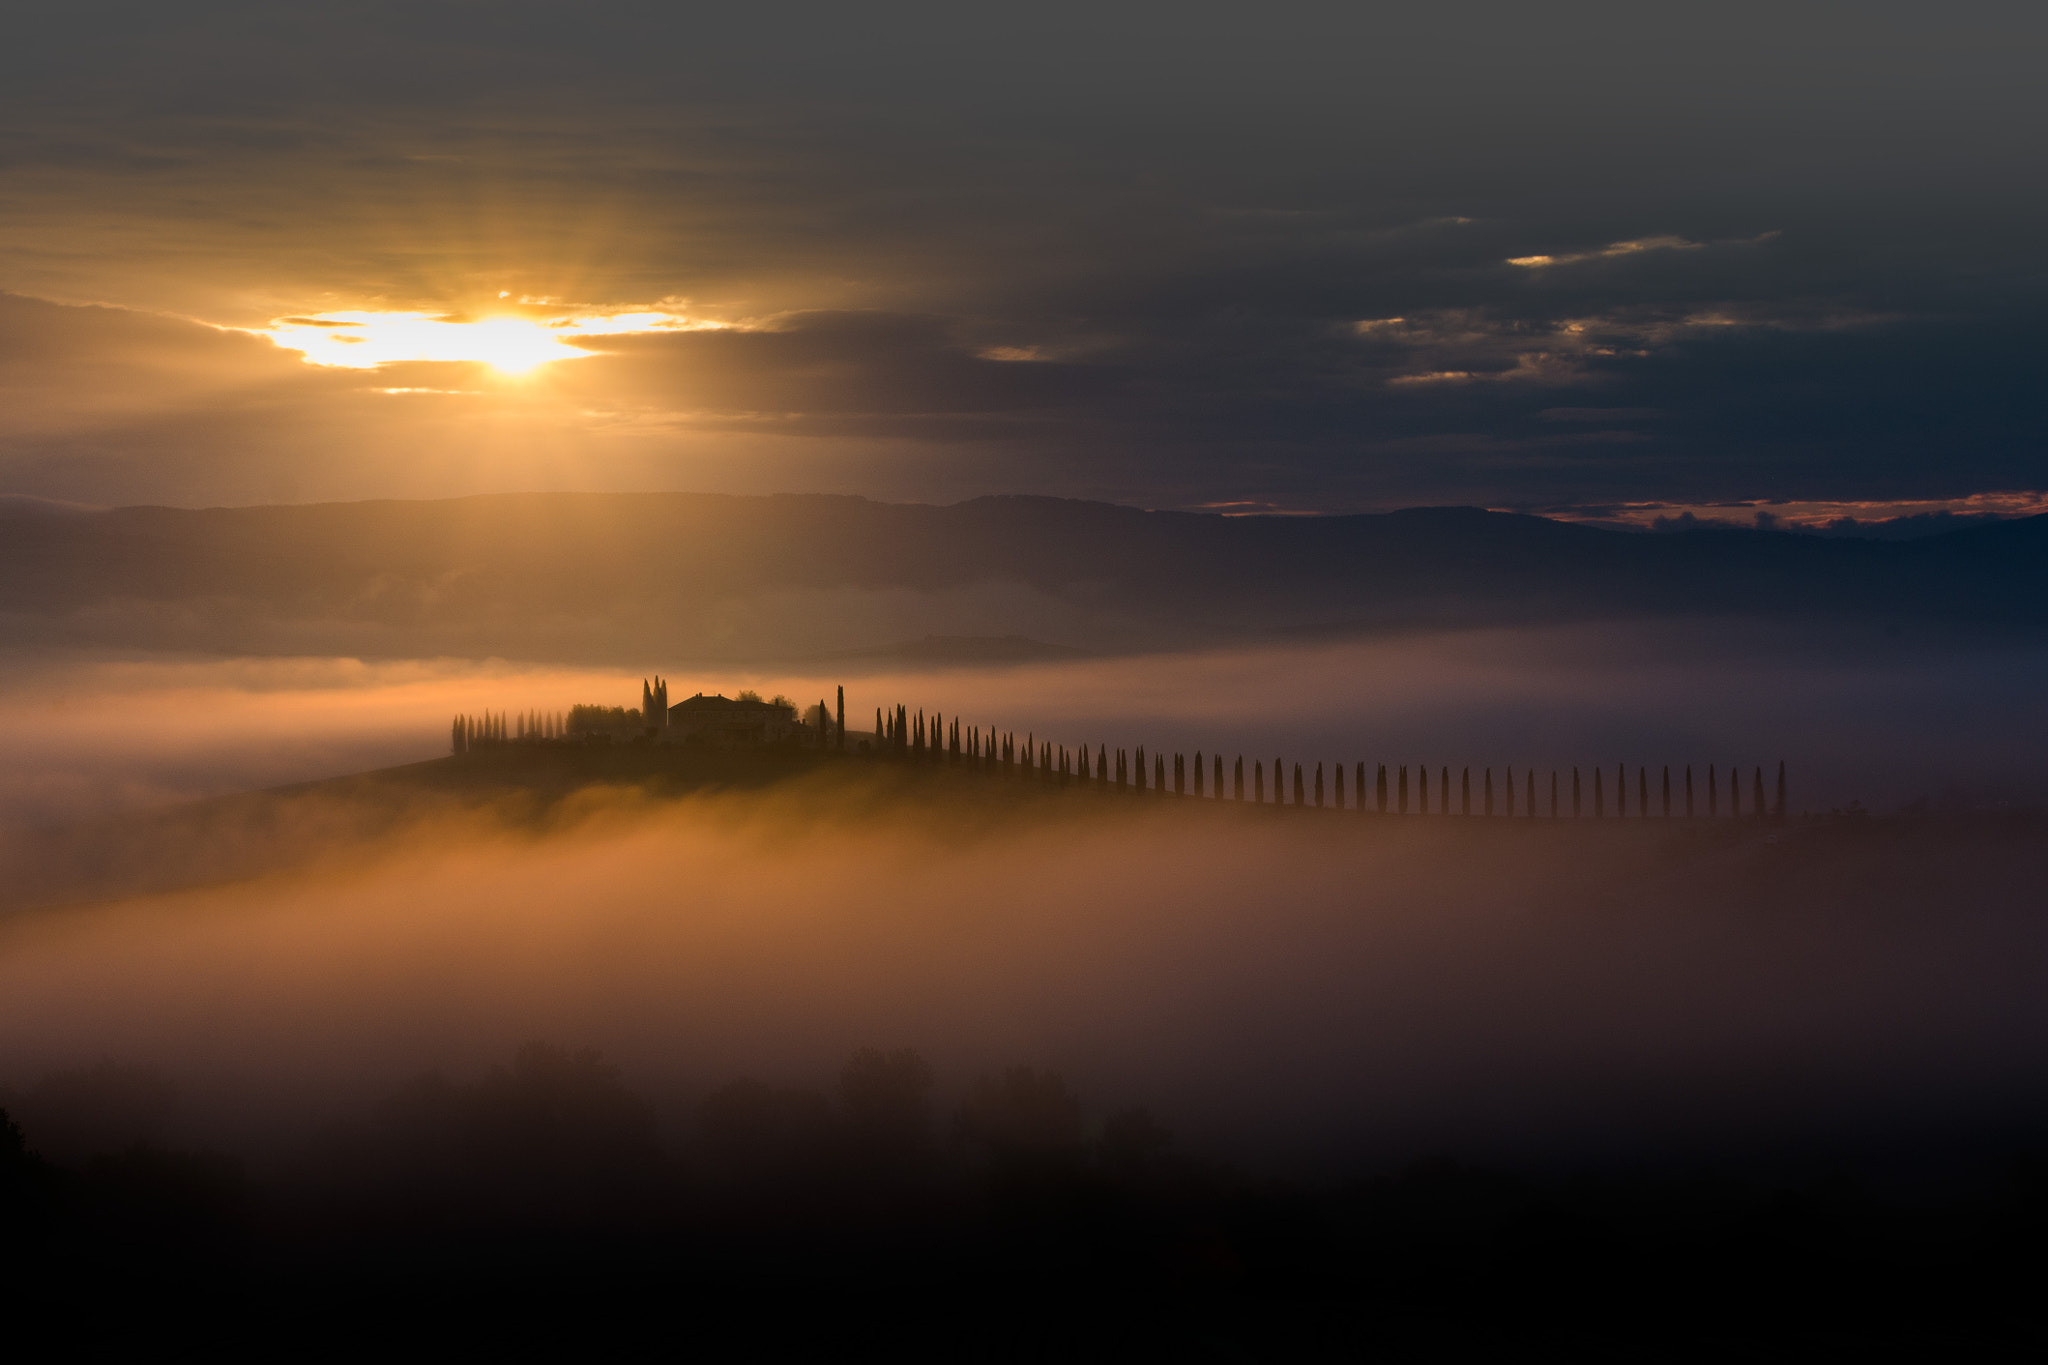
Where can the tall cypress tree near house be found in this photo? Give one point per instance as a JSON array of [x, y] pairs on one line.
[[1140, 768], [1237, 779], [1159, 774], [1199, 766], [1180, 775], [1337, 786], [1298, 794], [840, 728], [1778, 811], [1258, 782]]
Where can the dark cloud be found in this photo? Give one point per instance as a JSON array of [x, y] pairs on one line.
[[1316, 255]]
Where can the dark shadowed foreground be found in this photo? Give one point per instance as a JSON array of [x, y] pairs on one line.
[[864, 1054]]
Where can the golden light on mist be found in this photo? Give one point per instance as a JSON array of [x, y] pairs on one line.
[[511, 345]]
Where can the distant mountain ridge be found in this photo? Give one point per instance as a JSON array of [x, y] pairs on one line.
[[712, 568]]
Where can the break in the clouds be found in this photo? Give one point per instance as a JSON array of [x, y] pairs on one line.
[[1307, 256]]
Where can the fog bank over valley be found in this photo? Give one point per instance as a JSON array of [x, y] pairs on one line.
[[1282, 988]]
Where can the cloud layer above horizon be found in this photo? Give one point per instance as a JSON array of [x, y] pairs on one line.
[[1309, 257]]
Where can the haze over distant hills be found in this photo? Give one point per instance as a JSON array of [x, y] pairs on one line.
[[575, 575]]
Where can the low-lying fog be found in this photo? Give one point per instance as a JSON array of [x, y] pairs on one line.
[[1280, 989], [1856, 715]]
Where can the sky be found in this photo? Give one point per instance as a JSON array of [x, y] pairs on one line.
[[1596, 260]]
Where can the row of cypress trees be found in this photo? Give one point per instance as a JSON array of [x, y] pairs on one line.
[[499, 727], [914, 737]]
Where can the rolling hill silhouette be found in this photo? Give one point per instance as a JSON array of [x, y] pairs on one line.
[[562, 572]]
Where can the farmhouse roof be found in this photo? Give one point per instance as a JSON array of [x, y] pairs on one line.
[[721, 702]]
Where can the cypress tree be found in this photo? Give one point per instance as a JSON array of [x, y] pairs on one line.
[[1319, 786], [1642, 792], [1489, 791], [1531, 779], [1667, 791], [1779, 811], [1756, 801], [1279, 784], [1510, 784], [1403, 807], [1465, 793], [1443, 806], [1237, 779], [1216, 772], [1141, 768], [1298, 793], [841, 727], [1102, 765], [1159, 774], [1359, 787], [1337, 786], [1734, 792], [1713, 794], [1258, 782], [1576, 808], [1198, 774], [1599, 796], [1688, 791], [1422, 788], [1180, 775], [1380, 785]]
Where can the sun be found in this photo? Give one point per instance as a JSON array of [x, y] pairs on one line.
[[364, 340]]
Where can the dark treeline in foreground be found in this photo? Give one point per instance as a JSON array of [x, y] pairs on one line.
[[550, 1178]]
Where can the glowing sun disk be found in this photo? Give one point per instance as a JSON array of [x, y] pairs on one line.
[[362, 341]]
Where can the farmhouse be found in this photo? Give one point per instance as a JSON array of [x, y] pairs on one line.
[[728, 722]]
